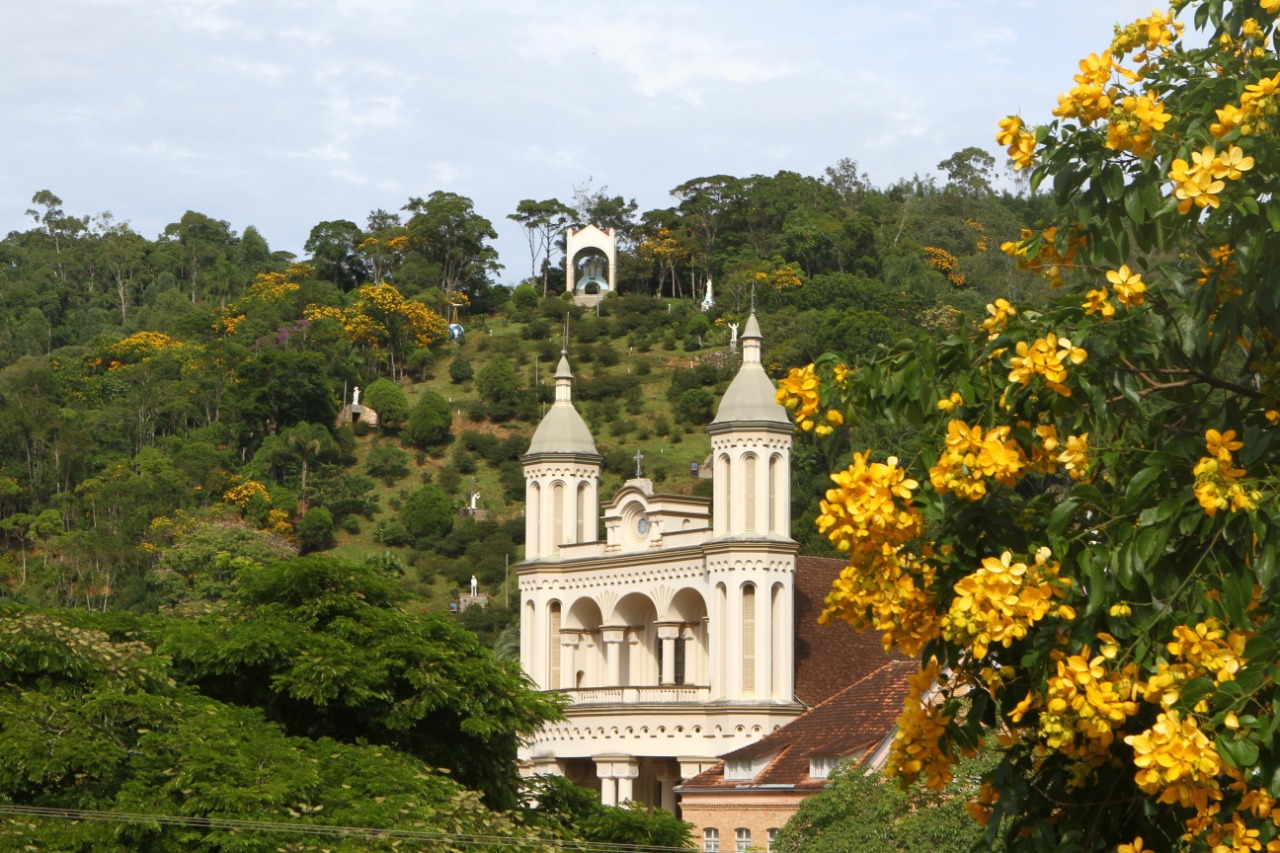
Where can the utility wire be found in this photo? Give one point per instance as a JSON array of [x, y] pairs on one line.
[[328, 829]]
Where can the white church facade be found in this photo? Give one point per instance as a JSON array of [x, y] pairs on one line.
[[675, 637]]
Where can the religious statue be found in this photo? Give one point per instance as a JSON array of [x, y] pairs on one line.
[[475, 497], [475, 586], [355, 397], [733, 336]]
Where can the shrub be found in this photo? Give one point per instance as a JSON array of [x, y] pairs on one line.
[[315, 530], [388, 400]]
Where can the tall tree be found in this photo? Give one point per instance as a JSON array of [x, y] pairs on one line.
[[543, 222], [333, 249], [447, 232]]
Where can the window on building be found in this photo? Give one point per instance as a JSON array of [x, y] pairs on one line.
[[821, 768], [553, 647], [749, 508], [773, 839], [738, 770], [710, 840], [557, 517], [748, 640], [741, 839]]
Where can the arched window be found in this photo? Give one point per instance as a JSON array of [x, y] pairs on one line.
[[777, 641], [534, 526], [775, 465], [725, 490], [749, 493], [748, 640], [581, 534], [710, 840], [553, 646], [557, 517], [741, 839]]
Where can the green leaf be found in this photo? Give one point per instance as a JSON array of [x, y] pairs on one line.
[[1112, 180], [1264, 568], [1240, 753], [1141, 482], [1062, 515]]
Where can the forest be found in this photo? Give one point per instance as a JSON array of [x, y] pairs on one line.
[[205, 567]]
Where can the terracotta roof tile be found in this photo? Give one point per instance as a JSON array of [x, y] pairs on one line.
[[850, 724], [831, 657]]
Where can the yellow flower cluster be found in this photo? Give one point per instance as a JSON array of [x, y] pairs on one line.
[[887, 591], [1001, 312], [1218, 485], [1045, 357], [870, 506], [274, 286], [136, 348], [1258, 106], [945, 263], [1146, 35], [915, 751], [380, 313], [980, 808], [1090, 99], [972, 456], [1177, 762], [1020, 142], [1199, 182], [1000, 601], [1086, 702], [241, 493], [228, 322], [1047, 260], [798, 391], [1221, 269], [1133, 121], [1209, 649]]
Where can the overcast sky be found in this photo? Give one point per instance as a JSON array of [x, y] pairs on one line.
[[284, 114]]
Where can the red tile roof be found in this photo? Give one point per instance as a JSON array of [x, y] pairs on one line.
[[850, 724], [828, 658]]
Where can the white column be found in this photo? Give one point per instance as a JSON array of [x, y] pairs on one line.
[[568, 659], [668, 786], [764, 640], [717, 670], [668, 635], [608, 791], [613, 651], [733, 642]]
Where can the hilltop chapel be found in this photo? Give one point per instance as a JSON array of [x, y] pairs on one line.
[[691, 631]]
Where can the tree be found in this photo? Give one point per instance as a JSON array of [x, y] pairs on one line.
[[460, 370], [388, 400], [498, 385], [315, 530], [92, 718], [333, 250], [1096, 477], [382, 317], [427, 514], [969, 171], [447, 232], [543, 222], [556, 804], [871, 814], [307, 442], [430, 422]]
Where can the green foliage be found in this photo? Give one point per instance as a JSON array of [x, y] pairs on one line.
[[460, 370], [872, 814], [389, 401], [695, 406], [315, 530], [556, 804], [430, 422], [387, 463], [427, 514]]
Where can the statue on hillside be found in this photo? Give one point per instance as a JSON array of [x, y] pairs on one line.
[[355, 397], [475, 586], [733, 336]]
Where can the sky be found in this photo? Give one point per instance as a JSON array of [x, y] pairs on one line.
[[285, 113]]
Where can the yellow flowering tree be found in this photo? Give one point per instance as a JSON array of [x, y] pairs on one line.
[[1080, 540], [381, 317]]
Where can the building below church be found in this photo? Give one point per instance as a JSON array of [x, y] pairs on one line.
[[690, 631]]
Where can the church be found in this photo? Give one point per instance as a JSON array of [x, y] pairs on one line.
[[691, 630]]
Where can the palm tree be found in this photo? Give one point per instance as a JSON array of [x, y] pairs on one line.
[[307, 441]]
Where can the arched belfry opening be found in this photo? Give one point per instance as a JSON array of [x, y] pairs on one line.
[[591, 264]]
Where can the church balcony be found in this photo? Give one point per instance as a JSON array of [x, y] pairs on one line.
[[672, 695]]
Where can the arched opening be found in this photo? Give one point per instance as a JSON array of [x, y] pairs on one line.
[[723, 491], [581, 534], [639, 653], [749, 491], [557, 517], [586, 657], [777, 646], [692, 648], [775, 474], [533, 527], [748, 640], [553, 645]]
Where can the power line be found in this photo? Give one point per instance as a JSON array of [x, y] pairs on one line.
[[332, 830]]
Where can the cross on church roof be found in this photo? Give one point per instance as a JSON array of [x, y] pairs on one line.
[[639, 458]]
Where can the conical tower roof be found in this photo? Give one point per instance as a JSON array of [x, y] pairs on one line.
[[562, 429], [751, 395]]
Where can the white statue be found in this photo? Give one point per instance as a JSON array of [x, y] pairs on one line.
[[475, 497], [708, 301], [733, 336], [475, 586], [355, 396]]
